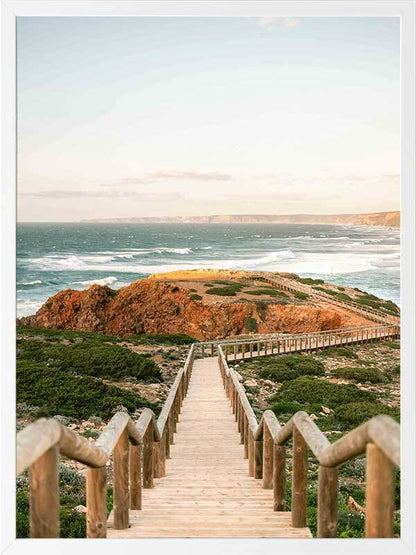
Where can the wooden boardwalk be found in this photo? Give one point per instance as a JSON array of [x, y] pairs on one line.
[[207, 491]]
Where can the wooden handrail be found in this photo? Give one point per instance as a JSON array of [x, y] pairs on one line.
[[130, 444], [379, 437], [289, 285], [394, 330]]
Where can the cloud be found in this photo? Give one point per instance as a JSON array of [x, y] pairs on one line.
[[209, 176], [271, 22], [159, 196], [155, 177]]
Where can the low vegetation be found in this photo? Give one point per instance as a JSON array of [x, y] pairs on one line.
[[354, 414], [344, 352], [288, 367], [55, 391], [73, 336], [362, 375], [251, 324], [90, 358]]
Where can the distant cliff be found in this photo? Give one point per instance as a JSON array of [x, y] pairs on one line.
[[388, 219]]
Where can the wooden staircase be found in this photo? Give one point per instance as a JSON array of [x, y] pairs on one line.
[[206, 467], [207, 491]]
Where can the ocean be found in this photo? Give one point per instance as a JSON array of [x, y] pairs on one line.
[[52, 257]]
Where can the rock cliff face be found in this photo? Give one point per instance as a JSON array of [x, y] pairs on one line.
[[155, 306]]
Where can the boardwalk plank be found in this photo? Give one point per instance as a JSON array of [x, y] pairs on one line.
[[207, 491]]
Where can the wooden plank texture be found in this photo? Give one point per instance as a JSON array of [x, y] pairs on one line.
[[207, 491]]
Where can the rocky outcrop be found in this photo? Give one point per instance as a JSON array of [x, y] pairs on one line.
[[156, 306]]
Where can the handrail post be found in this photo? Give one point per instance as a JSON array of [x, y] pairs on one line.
[[148, 458], [135, 478], [379, 495], [245, 421], [96, 502], [250, 453], [279, 478], [44, 495], [299, 479], [258, 458], [121, 481], [267, 458], [327, 502], [156, 459]]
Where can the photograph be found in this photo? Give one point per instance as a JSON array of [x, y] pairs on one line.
[[208, 277]]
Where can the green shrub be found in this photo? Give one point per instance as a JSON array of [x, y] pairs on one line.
[[286, 407], [344, 352], [163, 339], [22, 514], [90, 358], [300, 295], [69, 335], [344, 297], [340, 288], [79, 397], [308, 391], [371, 375], [259, 292], [287, 367], [310, 281], [355, 413], [230, 289], [192, 290], [393, 344], [251, 324], [195, 297]]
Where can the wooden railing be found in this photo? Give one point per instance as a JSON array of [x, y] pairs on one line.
[[139, 451], [264, 447], [266, 345], [290, 285]]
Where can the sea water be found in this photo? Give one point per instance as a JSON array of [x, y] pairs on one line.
[[52, 257]]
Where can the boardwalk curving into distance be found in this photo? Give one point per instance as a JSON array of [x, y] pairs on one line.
[[207, 491]]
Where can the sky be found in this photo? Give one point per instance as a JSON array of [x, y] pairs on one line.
[[164, 116]]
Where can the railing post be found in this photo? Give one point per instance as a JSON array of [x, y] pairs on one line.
[[156, 459], [135, 478], [299, 479], [327, 502], [250, 453], [379, 495], [96, 503], [148, 460], [279, 478], [258, 458], [267, 458], [121, 481], [44, 495], [245, 420]]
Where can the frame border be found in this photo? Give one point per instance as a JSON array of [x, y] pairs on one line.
[[406, 10]]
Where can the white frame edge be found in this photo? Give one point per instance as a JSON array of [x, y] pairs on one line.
[[406, 9]]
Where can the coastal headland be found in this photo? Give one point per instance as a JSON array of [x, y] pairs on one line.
[[207, 304]]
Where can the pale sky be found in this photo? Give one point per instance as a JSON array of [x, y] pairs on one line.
[[157, 116]]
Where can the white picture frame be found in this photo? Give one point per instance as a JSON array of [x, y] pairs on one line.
[[405, 9]]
